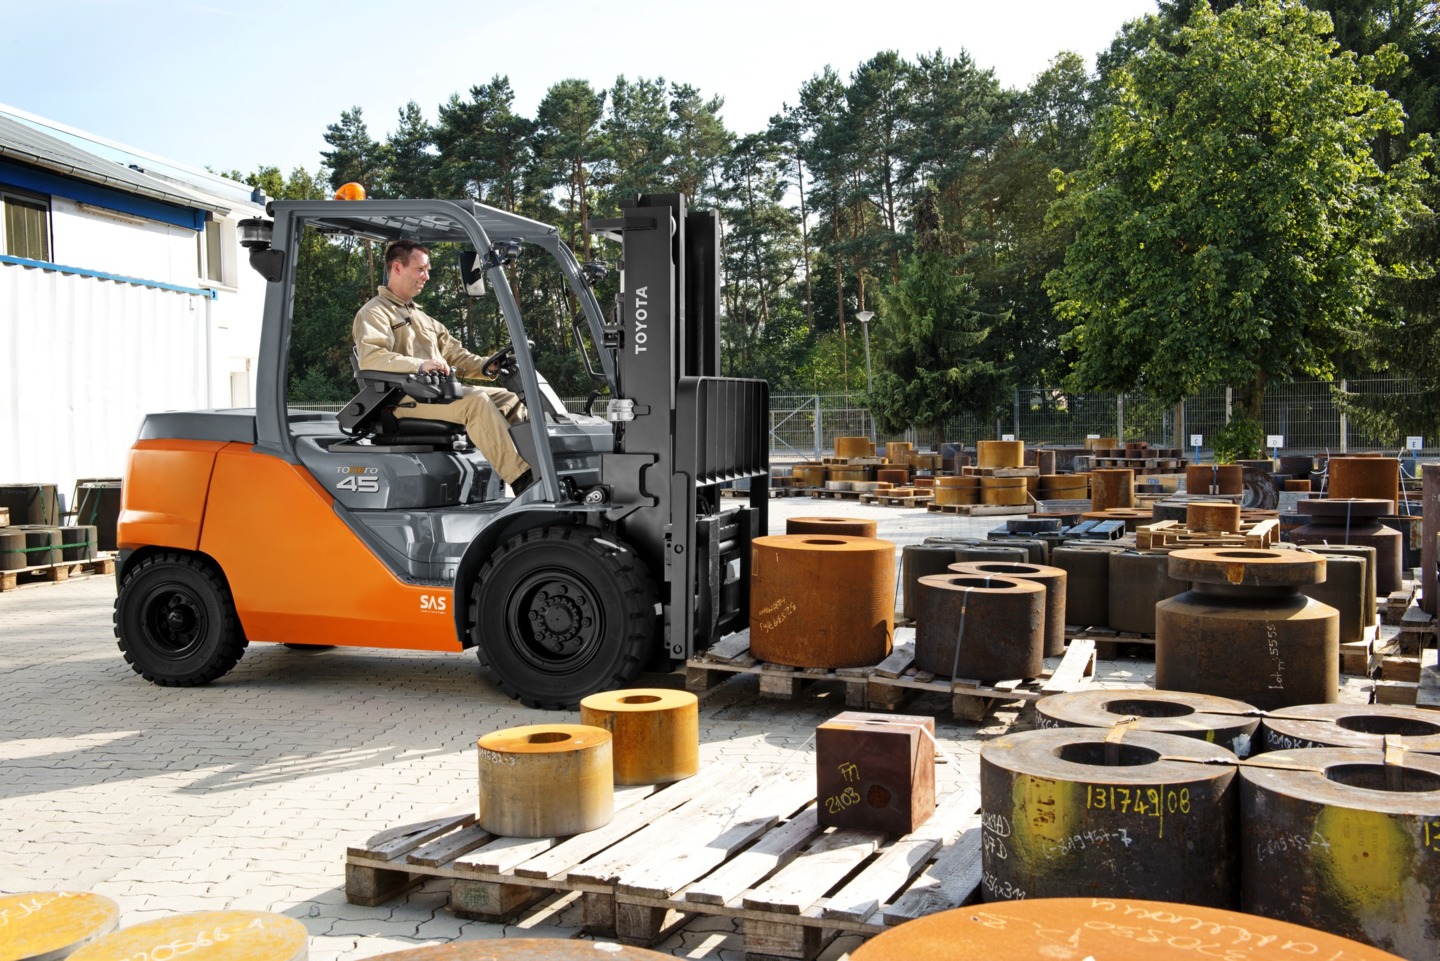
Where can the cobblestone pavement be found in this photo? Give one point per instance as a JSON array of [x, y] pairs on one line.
[[244, 794]]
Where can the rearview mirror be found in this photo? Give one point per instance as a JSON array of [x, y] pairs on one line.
[[472, 275]]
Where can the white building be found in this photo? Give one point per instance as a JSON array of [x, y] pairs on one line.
[[123, 290]]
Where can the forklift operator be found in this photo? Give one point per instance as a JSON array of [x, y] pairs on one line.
[[394, 334]]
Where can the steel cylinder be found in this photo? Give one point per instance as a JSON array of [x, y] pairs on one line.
[[1000, 453], [77, 542], [1296, 465], [1297, 484], [1212, 516], [1345, 840], [1138, 581], [50, 925], [1035, 551], [897, 476], [846, 476], [655, 732], [1344, 589], [1351, 725], [1375, 478], [544, 780], [844, 526], [1087, 590], [821, 600], [1245, 631], [210, 936], [1044, 461], [961, 489], [1108, 814], [1368, 579], [42, 545], [1006, 491], [1063, 487], [1232, 724], [12, 550], [1111, 488], [809, 475], [898, 451], [984, 627], [1112, 929], [1347, 521], [853, 447], [1215, 479], [1054, 580]]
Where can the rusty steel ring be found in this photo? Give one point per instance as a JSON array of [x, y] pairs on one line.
[[1087, 595], [1212, 516], [1111, 488], [1351, 725], [845, 526], [1000, 453], [821, 600], [1224, 721], [1108, 814], [1343, 508], [1365, 477], [1345, 839], [1055, 581], [979, 626], [1244, 567]]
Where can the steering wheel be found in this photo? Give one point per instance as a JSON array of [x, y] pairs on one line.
[[501, 362]]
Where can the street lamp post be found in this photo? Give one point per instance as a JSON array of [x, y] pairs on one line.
[[864, 318]]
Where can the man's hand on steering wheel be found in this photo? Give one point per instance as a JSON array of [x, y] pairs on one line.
[[500, 362]]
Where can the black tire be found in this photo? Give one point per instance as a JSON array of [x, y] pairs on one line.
[[176, 621], [557, 614]]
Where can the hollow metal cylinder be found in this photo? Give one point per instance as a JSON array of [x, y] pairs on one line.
[[1138, 581], [821, 600], [1344, 589], [896, 476], [950, 491], [844, 526], [1376, 478], [1212, 516], [1087, 591], [50, 925], [1033, 550], [1000, 453], [1003, 491], [1061, 487], [655, 732], [809, 475], [1345, 839], [984, 627], [1368, 579], [1347, 521], [1045, 461], [1055, 581], [1245, 631], [1351, 725], [1112, 929], [1112, 488], [12, 550], [1082, 811], [1296, 465], [544, 780], [1232, 724], [209, 935]]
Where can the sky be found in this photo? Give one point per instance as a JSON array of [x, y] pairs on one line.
[[237, 86]]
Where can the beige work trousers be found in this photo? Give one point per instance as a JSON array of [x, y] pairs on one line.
[[487, 413]]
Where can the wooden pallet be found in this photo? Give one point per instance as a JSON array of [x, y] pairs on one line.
[[740, 843], [980, 510], [52, 573], [885, 500], [1000, 471], [855, 462], [1107, 640], [885, 686], [1148, 465], [825, 492], [1172, 534]]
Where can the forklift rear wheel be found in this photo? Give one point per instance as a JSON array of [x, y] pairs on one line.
[[176, 621], [558, 613]]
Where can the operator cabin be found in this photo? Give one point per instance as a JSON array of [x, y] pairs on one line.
[[122, 291]]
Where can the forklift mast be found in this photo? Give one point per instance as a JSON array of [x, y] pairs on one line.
[[682, 431]]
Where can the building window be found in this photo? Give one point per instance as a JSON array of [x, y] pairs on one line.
[[25, 227]]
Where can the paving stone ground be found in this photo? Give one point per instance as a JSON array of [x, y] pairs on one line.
[[244, 794]]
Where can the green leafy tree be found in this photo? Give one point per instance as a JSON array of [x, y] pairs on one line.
[[641, 147], [354, 156], [486, 149], [570, 140], [936, 358], [1230, 221], [411, 149]]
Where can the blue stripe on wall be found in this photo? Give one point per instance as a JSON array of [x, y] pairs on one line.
[[44, 182], [101, 275]]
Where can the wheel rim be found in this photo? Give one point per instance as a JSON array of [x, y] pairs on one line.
[[175, 621], [555, 620]]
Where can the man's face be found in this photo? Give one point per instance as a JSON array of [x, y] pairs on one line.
[[408, 279]]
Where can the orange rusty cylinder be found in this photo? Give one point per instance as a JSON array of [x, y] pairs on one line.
[[979, 626], [896, 476], [1063, 487], [1054, 579], [1344, 839], [1305, 726], [543, 780], [1112, 487], [875, 772], [896, 451], [1212, 516], [1215, 479], [655, 732], [529, 949], [811, 475], [1244, 630], [821, 601], [853, 447], [1000, 453], [964, 489], [844, 526], [51, 924], [925, 483], [1377, 478], [1297, 485], [1106, 928], [846, 472], [210, 935], [1009, 491]]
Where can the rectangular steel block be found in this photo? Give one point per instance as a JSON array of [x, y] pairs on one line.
[[875, 772]]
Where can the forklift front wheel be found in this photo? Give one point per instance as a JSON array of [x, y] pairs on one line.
[[558, 613], [176, 622]]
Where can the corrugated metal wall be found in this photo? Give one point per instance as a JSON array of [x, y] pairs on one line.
[[88, 358]]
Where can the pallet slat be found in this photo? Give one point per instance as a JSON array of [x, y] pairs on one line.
[[805, 880]]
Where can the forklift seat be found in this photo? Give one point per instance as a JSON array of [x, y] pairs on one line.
[[371, 413]]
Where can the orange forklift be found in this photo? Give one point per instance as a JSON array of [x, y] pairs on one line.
[[361, 529]]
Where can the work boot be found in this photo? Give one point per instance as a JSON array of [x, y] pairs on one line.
[[518, 485]]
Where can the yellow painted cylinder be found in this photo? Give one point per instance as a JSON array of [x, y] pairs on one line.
[[853, 447], [1000, 453], [655, 732], [810, 474], [209, 936], [544, 780], [962, 489], [1009, 491], [50, 925]]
